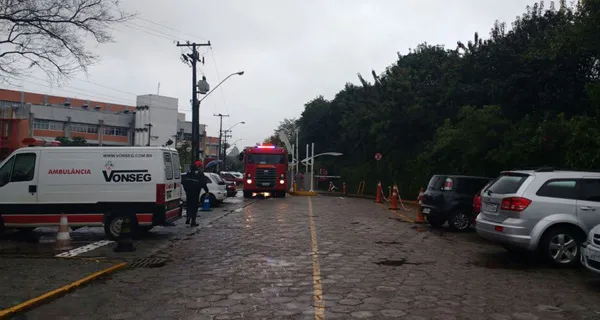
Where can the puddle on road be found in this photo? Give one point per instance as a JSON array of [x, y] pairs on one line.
[[398, 219], [401, 262], [506, 260], [387, 242]]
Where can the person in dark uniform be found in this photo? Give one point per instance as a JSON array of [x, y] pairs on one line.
[[194, 181]]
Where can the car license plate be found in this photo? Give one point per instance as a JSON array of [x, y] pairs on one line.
[[265, 184], [492, 207], [593, 255], [426, 210]]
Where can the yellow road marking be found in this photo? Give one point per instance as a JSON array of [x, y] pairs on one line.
[[319, 302], [408, 219], [30, 303]]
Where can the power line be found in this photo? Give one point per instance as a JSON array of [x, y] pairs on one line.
[[131, 24], [218, 79], [170, 28]]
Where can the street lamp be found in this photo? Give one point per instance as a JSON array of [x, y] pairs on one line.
[[224, 133], [203, 87], [220, 83], [236, 141]]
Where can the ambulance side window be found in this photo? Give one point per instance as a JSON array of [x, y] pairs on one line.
[[5, 171], [168, 166], [24, 168], [176, 166]]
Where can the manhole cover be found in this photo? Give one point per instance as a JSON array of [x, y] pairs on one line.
[[148, 263]]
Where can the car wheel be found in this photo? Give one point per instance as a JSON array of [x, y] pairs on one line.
[[434, 222], [561, 246], [459, 221]]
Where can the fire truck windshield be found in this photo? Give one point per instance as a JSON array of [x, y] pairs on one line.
[[266, 159]]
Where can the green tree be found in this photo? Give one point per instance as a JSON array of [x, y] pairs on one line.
[[528, 95]]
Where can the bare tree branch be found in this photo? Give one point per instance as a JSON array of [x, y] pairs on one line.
[[51, 35]]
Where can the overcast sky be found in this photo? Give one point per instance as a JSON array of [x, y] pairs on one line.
[[291, 51]]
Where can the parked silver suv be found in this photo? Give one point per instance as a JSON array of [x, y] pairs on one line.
[[545, 210]]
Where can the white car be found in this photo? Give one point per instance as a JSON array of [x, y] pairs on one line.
[[216, 188], [590, 250]]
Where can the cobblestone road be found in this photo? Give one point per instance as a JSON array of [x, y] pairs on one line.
[[258, 263]]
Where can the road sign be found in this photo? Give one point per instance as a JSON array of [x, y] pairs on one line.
[[378, 156]]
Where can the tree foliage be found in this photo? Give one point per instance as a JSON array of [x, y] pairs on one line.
[[53, 35], [528, 95]]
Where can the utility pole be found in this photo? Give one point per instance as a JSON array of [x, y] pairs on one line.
[[221, 131], [193, 58]]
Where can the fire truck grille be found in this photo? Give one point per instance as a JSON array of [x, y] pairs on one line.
[[265, 178]]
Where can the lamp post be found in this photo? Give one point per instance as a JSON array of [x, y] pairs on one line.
[[203, 87], [225, 143], [225, 139]]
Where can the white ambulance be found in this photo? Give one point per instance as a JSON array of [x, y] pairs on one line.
[[93, 186]]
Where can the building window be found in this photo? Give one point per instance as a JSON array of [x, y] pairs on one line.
[[47, 125], [116, 131], [83, 128]]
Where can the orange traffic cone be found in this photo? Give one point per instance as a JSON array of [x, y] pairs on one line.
[[420, 218], [394, 198], [63, 238], [378, 196]]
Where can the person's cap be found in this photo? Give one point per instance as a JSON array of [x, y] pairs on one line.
[[198, 164]]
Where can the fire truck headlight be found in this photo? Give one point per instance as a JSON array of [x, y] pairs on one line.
[[281, 181], [249, 181]]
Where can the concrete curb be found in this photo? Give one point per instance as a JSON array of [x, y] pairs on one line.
[[304, 193], [57, 292]]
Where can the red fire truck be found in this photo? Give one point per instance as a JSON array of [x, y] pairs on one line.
[[265, 168]]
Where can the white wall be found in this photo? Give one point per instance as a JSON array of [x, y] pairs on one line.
[[162, 115]]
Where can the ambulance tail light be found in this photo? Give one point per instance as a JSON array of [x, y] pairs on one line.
[[161, 193]]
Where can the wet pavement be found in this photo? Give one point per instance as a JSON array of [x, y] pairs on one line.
[[29, 266], [331, 258]]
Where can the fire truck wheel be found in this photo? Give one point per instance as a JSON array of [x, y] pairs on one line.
[[280, 194], [247, 194]]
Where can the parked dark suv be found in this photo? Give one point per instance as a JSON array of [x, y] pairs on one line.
[[450, 198]]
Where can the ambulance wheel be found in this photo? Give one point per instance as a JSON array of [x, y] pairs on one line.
[[112, 225]]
